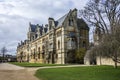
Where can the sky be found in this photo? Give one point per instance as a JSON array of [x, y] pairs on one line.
[[15, 16]]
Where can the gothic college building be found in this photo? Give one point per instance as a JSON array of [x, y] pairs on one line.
[[54, 42]]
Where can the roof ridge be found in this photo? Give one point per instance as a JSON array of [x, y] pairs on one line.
[[63, 16]]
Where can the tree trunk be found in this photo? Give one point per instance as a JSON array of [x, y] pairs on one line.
[[115, 66], [100, 60], [3, 57]]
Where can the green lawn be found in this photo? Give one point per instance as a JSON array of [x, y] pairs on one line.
[[80, 73], [26, 64]]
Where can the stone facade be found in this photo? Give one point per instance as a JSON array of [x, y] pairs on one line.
[[56, 41]]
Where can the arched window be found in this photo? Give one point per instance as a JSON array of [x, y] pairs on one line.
[[58, 44]]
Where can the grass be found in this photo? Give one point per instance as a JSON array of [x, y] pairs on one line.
[[80, 73], [26, 64]]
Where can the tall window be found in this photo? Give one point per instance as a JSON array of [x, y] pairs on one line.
[[36, 35], [31, 55], [51, 46], [84, 44], [43, 49], [34, 54], [58, 44], [27, 47], [32, 37], [50, 36], [58, 33], [70, 22], [43, 40], [39, 53]]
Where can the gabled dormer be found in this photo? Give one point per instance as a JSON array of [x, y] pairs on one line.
[[72, 17], [68, 19], [31, 31]]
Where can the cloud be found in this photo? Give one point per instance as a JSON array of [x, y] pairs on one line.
[[15, 16]]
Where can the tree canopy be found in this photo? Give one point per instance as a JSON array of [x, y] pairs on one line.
[[105, 15]]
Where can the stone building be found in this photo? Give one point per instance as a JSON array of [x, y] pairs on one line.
[[55, 42]]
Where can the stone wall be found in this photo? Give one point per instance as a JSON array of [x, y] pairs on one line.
[[105, 61]]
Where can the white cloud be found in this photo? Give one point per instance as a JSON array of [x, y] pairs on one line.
[[15, 16]]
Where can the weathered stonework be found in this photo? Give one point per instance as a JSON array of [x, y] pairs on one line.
[[53, 42]]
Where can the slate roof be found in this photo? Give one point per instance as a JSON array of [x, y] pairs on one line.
[[61, 20], [32, 27]]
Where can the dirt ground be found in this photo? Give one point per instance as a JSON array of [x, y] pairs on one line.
[[12, 72]]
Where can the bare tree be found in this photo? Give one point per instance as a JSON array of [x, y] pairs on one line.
[[110, 46], [105, 14], [3, 51], [102, 13]]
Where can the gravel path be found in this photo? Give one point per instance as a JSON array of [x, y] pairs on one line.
[[6, 66], [13, 72]]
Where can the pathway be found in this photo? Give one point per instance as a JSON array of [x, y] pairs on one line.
[[13, 72]]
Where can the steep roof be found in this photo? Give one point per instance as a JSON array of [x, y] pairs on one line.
[[60, 21], [81, 24], [32, 27]]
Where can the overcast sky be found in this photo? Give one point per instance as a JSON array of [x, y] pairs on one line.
[[15, 16]]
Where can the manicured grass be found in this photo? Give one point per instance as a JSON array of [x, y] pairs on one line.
[[80, 73], [26, 64]]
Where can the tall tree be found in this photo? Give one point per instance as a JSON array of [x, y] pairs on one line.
[[105, 14], [3, 51]]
